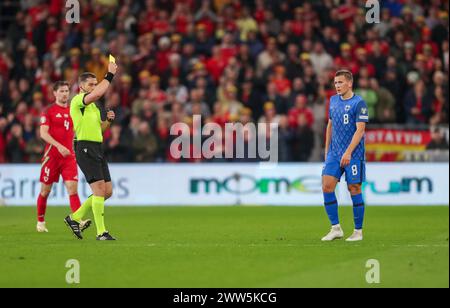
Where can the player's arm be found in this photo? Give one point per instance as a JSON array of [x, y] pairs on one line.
[[357, 137], [102, 87], [328, 137], [362, 118], [45, 135]]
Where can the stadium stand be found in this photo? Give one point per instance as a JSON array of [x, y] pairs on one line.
[[230, 61]]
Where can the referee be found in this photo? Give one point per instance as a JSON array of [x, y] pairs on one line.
[[89, 126]]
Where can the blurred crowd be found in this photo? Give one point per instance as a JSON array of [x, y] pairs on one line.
[[227, 60]]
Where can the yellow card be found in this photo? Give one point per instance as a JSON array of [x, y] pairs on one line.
[[112, 59]]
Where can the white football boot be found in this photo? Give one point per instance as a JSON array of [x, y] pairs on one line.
[[40, 227], [335, 234], [356, 236]]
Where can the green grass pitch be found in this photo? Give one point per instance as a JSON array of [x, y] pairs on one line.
[[227, 247]]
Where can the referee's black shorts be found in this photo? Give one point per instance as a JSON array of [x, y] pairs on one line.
[[92, 161]]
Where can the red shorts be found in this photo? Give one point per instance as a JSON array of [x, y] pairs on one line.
[[54, 167]]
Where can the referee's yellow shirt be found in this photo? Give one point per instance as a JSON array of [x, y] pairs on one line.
[[87, 120]]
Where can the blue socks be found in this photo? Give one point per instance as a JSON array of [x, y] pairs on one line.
[[331, 206], [358, 211]]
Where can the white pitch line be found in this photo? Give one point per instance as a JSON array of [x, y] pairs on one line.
[[257, 245]]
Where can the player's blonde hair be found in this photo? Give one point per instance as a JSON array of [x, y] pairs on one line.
[[346, 73]]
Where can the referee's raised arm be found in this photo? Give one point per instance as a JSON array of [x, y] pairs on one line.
[[102, 87]]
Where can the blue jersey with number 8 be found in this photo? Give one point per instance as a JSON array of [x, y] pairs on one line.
[[344, 115]]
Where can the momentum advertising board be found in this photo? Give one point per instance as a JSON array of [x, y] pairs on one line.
[[238, 184]]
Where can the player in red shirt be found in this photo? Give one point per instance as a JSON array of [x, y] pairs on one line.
[[59, 158]]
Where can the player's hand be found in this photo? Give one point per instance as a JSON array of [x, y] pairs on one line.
[[64, 151], [112, 68], [345, 160], [110, 116]]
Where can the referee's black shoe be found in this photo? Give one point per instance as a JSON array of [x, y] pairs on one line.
[[105, 237], [74, 227]]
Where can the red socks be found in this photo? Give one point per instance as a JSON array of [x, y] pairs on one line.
[[41, 207], [74, 203]]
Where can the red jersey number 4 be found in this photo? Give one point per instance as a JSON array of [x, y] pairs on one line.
[[60, 125]]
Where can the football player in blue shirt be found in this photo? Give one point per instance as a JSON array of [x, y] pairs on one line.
[[345, 153]]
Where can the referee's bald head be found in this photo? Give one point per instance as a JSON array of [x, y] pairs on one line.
[[85, 76]]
